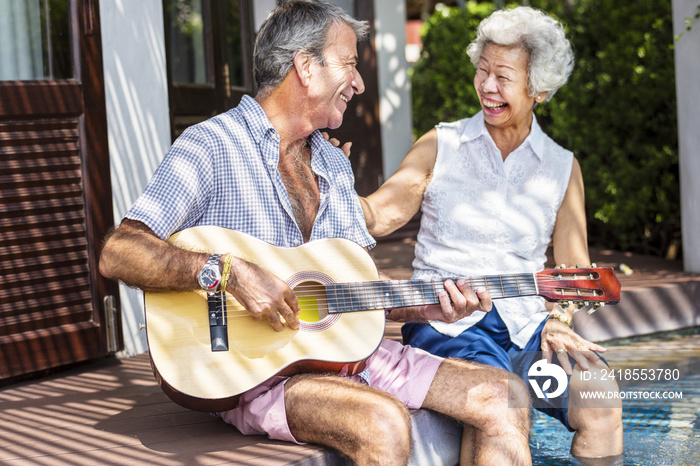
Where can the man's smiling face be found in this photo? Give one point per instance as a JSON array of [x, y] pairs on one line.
[[333, 85]]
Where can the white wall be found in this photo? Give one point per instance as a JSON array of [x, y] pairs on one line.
[[394, 84], [687, 55], [137, 119], [261, 8]]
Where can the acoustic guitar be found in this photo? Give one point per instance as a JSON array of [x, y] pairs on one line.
[[206, 350]]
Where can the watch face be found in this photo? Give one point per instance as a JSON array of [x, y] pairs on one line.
[[208, 278]]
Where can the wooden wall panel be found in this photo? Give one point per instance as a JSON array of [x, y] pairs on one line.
[[55, 210], [44, 286]]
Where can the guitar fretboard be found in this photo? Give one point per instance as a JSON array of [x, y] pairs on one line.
[[362, 296]]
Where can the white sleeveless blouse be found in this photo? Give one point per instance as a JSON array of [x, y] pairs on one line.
[[485, 216]]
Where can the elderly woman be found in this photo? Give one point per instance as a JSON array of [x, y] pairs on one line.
[[495, 191]]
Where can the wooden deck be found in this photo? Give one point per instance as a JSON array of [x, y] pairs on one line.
[[113, 412]]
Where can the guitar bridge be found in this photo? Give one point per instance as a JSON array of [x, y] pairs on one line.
[[218, 326]]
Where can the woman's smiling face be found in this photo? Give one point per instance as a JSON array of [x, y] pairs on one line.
[[501, 82]]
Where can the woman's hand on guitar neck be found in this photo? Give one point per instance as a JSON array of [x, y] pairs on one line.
[[263, 295], [457, 301]]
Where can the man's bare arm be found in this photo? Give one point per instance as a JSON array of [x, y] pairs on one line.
[[400, 197], [134, 255], [137, 257]]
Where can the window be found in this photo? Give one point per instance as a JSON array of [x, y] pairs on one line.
[[233, 45], [209, 47], [188, 63], [36, 38]]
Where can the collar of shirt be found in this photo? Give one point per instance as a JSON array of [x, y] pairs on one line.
[[260, 127], [475, 127]]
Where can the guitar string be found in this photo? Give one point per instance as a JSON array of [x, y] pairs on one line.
[[402, 286], [407, 288], [352, 288], [413, 285]]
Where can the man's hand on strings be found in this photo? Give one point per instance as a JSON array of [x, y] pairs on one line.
[[263, 295]]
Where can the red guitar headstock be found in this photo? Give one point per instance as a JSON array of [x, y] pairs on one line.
[[586, 284]]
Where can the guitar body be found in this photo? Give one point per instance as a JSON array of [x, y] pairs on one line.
[[178, 325]]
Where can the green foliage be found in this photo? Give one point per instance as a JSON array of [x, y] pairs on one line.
[[441, 80], [617, 113]]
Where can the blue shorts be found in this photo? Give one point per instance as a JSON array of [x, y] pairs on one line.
[[488, 342]]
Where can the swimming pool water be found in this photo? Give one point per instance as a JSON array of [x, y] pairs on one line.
[[656, 432]]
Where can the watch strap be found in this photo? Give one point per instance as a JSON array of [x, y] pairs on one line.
[[214, 259]]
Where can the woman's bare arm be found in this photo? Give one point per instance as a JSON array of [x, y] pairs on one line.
[[570, 239], [400, 197]]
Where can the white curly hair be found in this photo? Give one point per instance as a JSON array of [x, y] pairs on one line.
[[551, 57]]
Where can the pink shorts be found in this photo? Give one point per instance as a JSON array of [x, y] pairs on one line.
[[403, 371]]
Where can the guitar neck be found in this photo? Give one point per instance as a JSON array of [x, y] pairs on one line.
[[362, 296]]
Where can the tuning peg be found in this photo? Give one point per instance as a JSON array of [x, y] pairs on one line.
[[595, 307], [578, 266], [593, 265]]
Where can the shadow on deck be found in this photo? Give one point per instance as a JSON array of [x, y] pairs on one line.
[[113, 412]]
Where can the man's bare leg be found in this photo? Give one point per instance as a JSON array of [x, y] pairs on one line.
[[497, 407], [466, 452], [366, 424]]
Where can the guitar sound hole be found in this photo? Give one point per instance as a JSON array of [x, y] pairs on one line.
[[312, 300]]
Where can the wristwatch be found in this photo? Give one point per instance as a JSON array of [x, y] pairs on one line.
[[210, 275]]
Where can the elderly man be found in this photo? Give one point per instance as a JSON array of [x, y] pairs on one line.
[[264, 169]]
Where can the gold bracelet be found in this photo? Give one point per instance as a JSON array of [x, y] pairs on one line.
[[561, 318], [226, 274]]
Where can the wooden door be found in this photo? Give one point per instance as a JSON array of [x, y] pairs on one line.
[[55, 191], [361, 123], [209, 45]]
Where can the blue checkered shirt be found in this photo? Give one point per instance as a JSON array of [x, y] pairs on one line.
[[223, 172]]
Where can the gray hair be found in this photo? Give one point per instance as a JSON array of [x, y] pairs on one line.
[[296, 26], [551, 57]]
